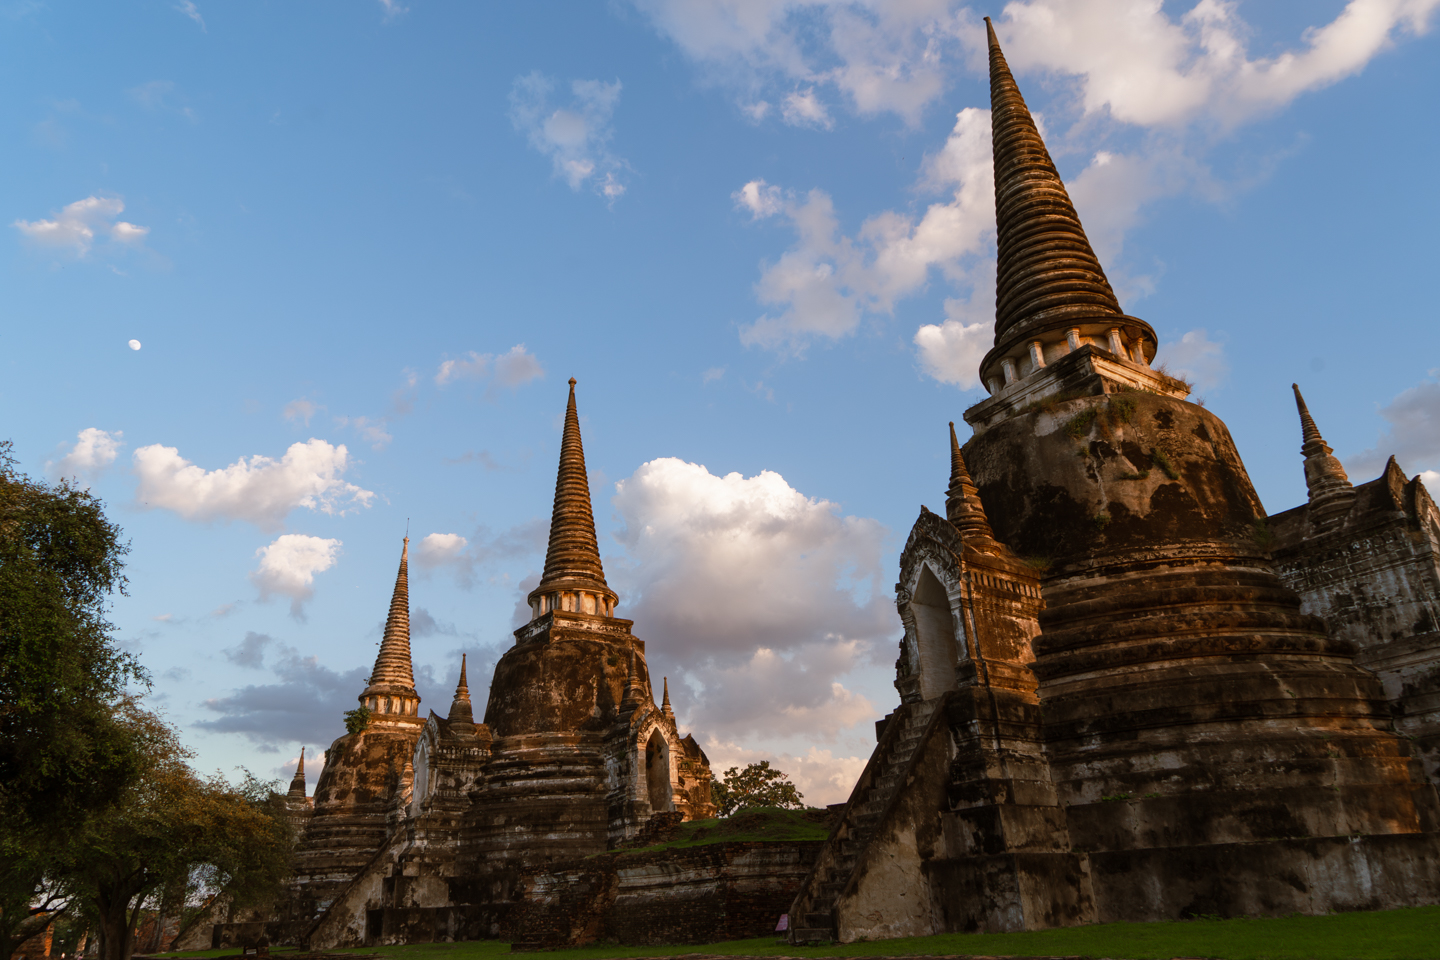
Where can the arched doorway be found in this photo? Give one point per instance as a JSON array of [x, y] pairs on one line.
[[657, 772], [934, 635]]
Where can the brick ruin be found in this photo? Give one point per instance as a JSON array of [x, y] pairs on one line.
[[420, 827], [1125, 692]]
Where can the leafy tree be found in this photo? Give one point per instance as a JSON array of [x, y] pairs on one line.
[[62, 755], [171, 836], [758, 785]]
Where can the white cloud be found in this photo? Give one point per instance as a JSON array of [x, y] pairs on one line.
[[804, 109], [75, 228], [288, 567], [760, 199], [575, 138], [513, 368], [467, 557], [438, 549], [133, 344], [1195, 357], [188, 8], [259, 489], [814, 595], [951, 351], [1412, 435], [393, 9], [827, 281], [1431, 479], [94, 450]]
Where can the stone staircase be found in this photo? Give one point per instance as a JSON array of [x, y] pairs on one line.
[[812, 914]]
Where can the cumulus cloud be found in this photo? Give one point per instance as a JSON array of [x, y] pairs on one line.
[[1412, 435], [514, 368], [467, 557], [576, 137], [813, 583], [288, 567], [75, 228], [373, 430], [760, 199], [94, 450], [803, 109], [825, 283], [257, 489]]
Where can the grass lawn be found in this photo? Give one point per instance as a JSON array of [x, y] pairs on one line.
[[1410, 934]]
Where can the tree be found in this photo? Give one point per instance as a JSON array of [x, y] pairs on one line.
[[171, 836], [63, 756], [758, 785]]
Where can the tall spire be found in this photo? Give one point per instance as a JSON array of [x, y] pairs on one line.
[[392, 663], [391, 692], [1331, 492], [297, 782], [665, 705], [1047, 274], [461, 712], [962, 501], [573, 574]]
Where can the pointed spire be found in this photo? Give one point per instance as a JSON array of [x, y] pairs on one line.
[[1047, 274], [962, 501], [665, 705], [392, 664], [572, 559], [461, 711], [1331, 492], [297, 782], [391, 694]]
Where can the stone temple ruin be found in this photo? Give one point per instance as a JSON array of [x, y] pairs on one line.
[[1126, 693], [420, 826]]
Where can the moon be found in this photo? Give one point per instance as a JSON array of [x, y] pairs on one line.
[[134, 344]]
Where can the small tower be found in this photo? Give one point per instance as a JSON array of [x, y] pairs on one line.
[[297, 783], [1331, 493], [665, 706], [962, 500], [462, 714], [391, 696]]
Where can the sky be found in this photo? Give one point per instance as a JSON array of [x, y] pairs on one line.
[[282, 281]]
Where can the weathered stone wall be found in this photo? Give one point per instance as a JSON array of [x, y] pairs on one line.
[[1373, 576], [721, 891]]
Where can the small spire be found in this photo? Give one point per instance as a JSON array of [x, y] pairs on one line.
[[632, 689], [962, 501], [665, 706], [394, 674], [572, 558], [297, 782], [1047, 274], [1330, 489], [462, 714]]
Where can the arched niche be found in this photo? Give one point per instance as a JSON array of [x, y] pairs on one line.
[[657, 772], [934, 635]]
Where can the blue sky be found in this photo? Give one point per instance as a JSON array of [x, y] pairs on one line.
[[363, 245]]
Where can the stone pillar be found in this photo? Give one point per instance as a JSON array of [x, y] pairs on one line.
[[1008, 366], [1037, 354], [1117, 345]]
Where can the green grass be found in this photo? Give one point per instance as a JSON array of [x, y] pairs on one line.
[[1410, 934], [761, 823]]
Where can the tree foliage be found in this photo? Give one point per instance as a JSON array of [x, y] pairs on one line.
[[63, 756], [172, 837], [758, 785]]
